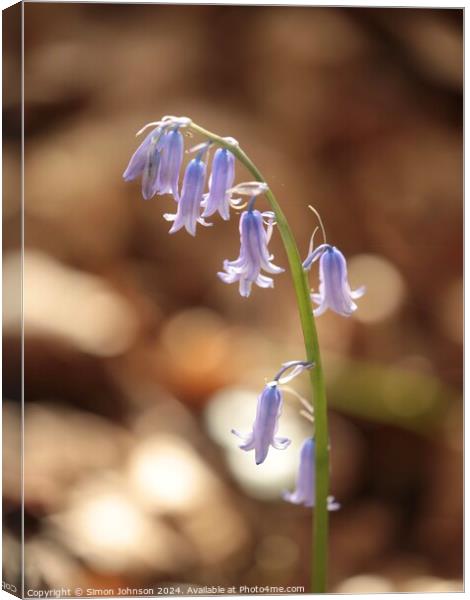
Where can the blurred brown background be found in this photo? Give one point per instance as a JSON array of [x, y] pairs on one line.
[[138, 360]]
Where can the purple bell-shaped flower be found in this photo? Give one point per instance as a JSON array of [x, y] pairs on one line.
[[305, 489], [221, 180], [254, 254], [334, 292], [263, 434], [188, 213]]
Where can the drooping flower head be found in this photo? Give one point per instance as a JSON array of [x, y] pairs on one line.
[[145, 161], [221, 180], [158, 158], [188, 213], [263, 434], [334, 291], [254, 254], [137, 162], [305, 489], [265, 425]]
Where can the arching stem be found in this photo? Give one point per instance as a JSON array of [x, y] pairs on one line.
[[301, 286]]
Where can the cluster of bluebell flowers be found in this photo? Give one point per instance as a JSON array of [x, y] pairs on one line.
[[264, 430], [158, 162], [159, 157]]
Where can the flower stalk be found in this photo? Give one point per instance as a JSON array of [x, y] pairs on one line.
[[307, 321]]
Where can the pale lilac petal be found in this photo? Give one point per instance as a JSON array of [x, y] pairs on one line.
[[261, 451], [355, 294], [245, 287], [332, 504], [248, 440], [317, 312], [178, 222], [317, 298], [264, 282], [280, 443], [227, 277]]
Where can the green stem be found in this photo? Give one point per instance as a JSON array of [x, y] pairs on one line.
[[299, 277]]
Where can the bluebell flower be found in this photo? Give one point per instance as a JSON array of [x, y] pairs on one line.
[[137, 162], [334, 292], [254, 254], [188, 213], [159, 157], [265, 425], [170, 164], [220, 182], [145, 161], [305, 488]]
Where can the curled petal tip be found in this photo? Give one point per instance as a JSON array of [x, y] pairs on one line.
[[146, 126], [356, 294], [333, 504], [249, 188]]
